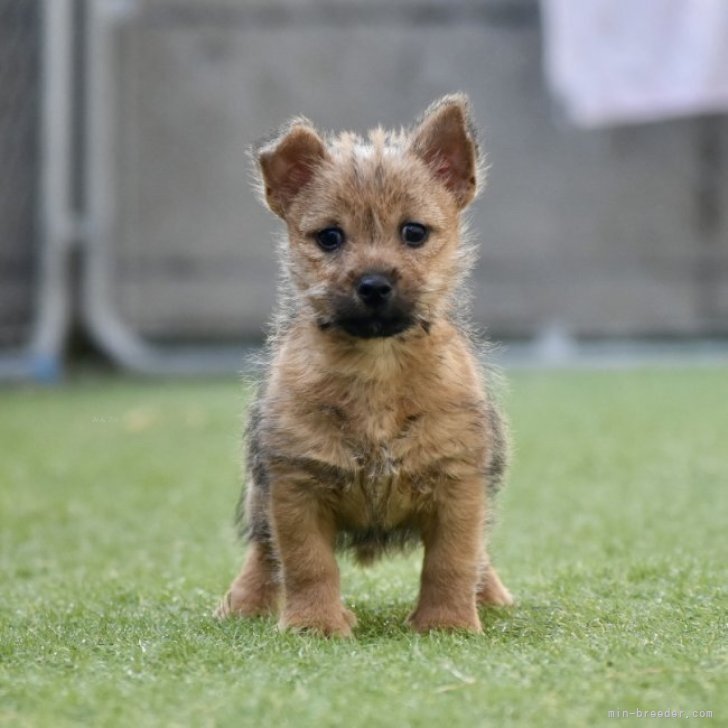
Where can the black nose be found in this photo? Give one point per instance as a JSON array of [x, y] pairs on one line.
[[374, 290]]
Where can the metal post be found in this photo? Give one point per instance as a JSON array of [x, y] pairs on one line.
[[116, 338], [41, 359]]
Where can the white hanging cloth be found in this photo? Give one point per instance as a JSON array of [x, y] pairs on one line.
[[625, 61]]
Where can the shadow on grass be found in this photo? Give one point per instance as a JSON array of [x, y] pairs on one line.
[[389, 623], [378, 621]]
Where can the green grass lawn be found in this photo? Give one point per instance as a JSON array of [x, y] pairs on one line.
[[116, 541]]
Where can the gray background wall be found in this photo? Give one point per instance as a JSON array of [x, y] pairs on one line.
[[609, 233]]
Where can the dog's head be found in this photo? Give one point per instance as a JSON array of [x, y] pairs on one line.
[[374, 226]]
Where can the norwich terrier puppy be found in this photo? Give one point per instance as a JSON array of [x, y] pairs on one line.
[[374, 425]]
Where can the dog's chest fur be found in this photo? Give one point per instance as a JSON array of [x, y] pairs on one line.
[[374, 448], [379, 452]]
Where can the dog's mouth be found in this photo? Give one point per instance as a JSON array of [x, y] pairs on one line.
[[385, 320], [374, 326]]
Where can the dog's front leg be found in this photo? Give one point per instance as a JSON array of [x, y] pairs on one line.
[[305, 534], [453, 539]]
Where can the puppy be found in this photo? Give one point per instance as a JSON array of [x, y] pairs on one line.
[[374, 425]]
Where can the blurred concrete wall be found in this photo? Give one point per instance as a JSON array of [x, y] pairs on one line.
[[617, 232], [20, 30]]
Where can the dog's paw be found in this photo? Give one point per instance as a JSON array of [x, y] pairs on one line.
[[428, 619], [241, 603], [496, 598], [335, 622], [492, 593]]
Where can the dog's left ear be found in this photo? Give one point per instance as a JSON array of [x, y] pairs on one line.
[[445, 140]]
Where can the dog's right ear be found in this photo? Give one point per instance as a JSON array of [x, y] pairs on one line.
[[288, 162]]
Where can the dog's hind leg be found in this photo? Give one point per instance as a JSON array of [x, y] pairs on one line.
[[490, 591], [255, 591]]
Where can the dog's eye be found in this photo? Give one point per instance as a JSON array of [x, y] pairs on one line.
[[330, 238], [413, 234]]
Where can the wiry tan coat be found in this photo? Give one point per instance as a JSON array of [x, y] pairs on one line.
[[371, 442]]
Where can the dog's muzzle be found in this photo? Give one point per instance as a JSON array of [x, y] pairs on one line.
[[376, 311]]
